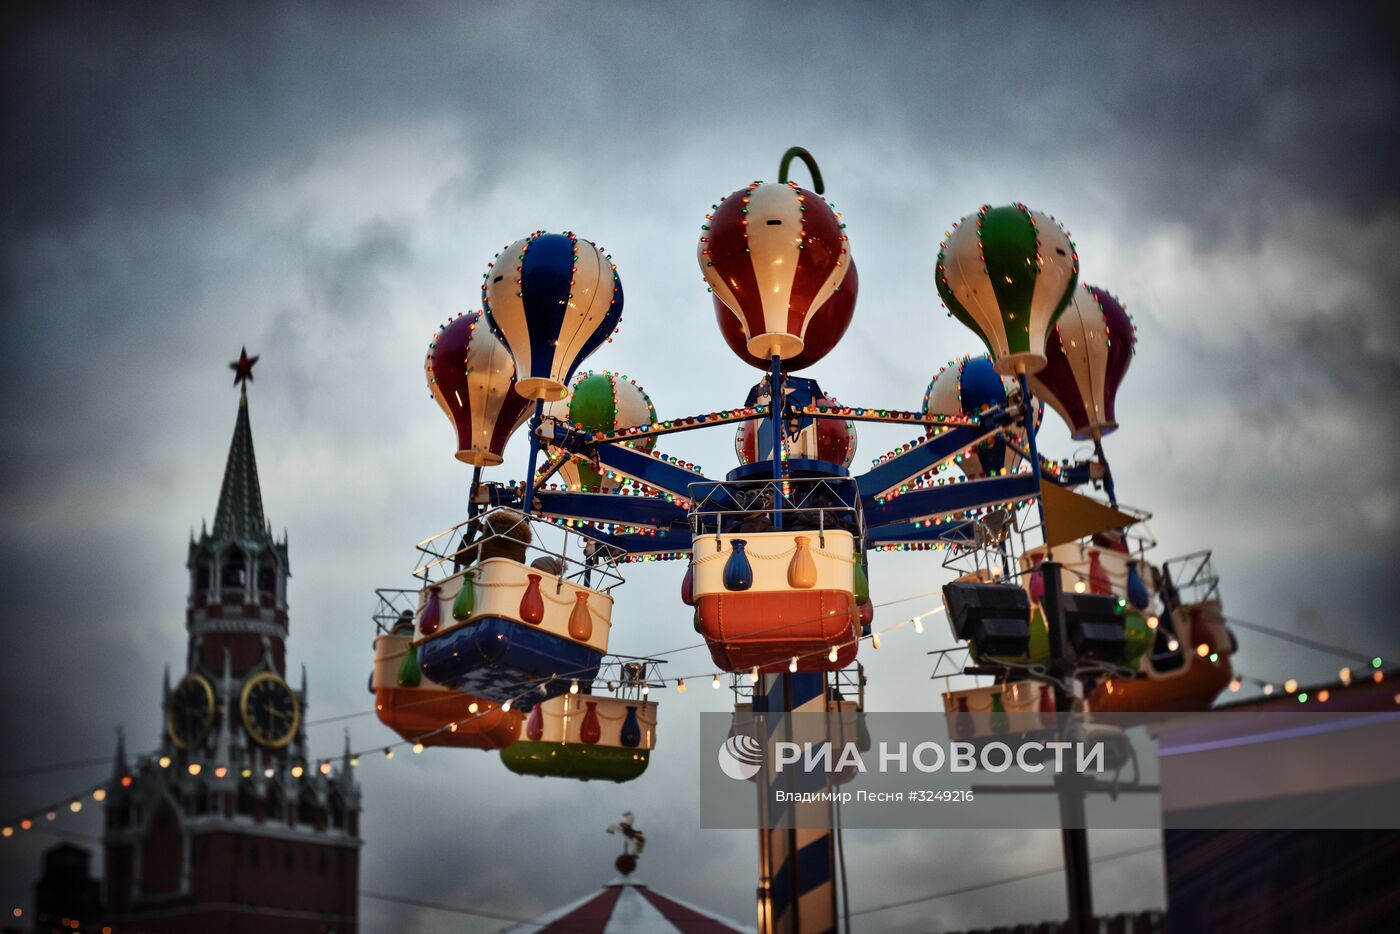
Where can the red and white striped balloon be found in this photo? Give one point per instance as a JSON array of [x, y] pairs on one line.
[[826, 439], [1087, 354], [774, 254]]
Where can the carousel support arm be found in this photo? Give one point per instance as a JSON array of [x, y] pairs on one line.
[[528, 504], [775, 405], [648, 470], [651, 511], [919, 459], [949, 499]]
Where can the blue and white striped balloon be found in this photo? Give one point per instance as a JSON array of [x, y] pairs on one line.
[[552, 299]]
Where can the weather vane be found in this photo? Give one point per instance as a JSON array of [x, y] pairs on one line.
[[633, 842], [243, 368]]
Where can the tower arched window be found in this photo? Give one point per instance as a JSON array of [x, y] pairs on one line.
[[234, 573], [267, 579], [203, 578]]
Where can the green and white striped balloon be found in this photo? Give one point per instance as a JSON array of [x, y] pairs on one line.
[[1007, 273]]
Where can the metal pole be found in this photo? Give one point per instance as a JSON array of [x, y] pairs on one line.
[[534, 455], [1028, 420], [1107, 470], [1074, 839], [472, 507], [775, 403]]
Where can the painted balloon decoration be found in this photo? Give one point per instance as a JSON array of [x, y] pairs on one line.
[[824, 439], [553, 299], [1007, 273], [774, 255], [606, 402], [968, 386], [471, 375], [1088, 354], [824, 331]]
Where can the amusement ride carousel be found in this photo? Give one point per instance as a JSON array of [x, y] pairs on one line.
[[504, 641]]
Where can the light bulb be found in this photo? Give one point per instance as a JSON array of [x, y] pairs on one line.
[[165, 762], [1153, 622], [1173, 645], [325, 768], [195, 768], [99, 794], [831, 656], [220, 772], [792, 665], [1079, 587], [417, 749], [573, 687], [1290, 685], [75, 807], [452, 727], [646, 689], [354, 762], [388, 753], [296, 771], [1235, 685], [506, 707], [753, 675], [246, 773], [268, 773], [680, 686], [1268, 689], [875, 640], [918, 625], [472, 707], [714, 683], [1202, 650], [1344, 676]]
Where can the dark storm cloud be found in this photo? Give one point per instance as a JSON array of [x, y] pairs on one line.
[[328, 179]]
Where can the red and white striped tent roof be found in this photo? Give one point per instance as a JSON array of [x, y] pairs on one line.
[[625, 906]]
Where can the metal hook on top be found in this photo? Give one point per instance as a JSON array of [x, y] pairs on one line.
[[798, 152]]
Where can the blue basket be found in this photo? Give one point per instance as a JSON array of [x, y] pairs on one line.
[[502, 659]]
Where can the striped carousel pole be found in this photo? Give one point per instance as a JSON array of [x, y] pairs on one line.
[[797, 890]]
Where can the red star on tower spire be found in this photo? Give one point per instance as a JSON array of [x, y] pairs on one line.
[[243, 368]]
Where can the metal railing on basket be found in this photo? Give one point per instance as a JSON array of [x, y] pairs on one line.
[[815, 504], [593, 563]]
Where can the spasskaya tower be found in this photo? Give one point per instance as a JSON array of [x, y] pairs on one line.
[[230, 827]]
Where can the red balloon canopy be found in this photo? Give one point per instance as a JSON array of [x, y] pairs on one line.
[[774, 254], [824, 331], [472, 377]]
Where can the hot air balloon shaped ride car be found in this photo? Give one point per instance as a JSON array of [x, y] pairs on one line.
[[421, 711], [508, 630], [585, 736]]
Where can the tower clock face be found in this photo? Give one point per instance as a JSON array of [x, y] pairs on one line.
[[190, 712], [271, 713]]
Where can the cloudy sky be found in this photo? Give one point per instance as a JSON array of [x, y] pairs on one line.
[[325, 184]]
